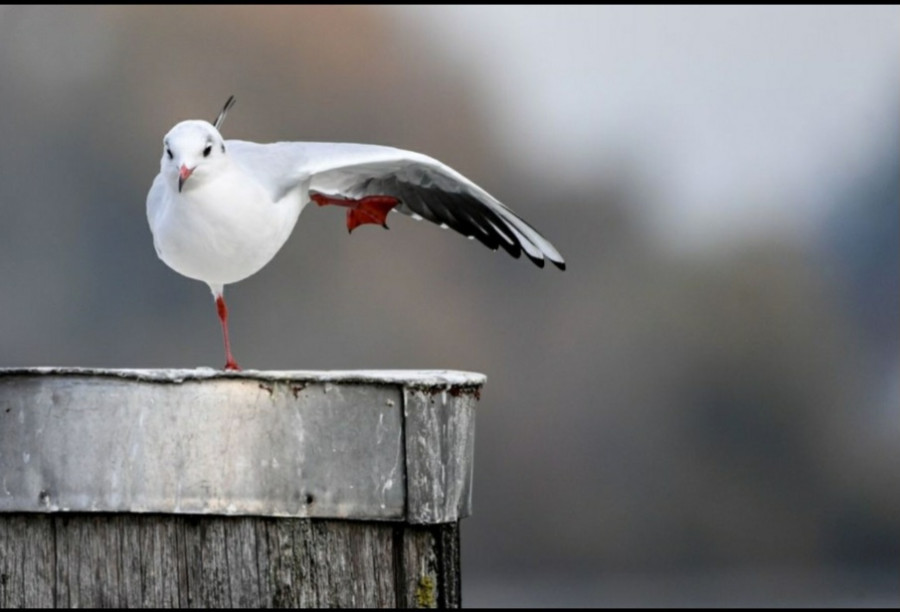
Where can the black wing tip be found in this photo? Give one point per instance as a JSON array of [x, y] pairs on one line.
[[541, 261], [228, 104]]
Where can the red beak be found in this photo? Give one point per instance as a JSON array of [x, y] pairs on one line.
[[183, 173]]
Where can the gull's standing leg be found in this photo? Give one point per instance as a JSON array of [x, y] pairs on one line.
[[230, 363]]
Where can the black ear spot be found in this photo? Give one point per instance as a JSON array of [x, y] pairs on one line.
[[223, 148]]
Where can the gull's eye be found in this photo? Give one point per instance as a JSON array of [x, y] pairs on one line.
[[169, 153], [207, 150]]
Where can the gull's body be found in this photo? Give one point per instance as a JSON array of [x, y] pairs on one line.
[[221, 209], [222, 229]]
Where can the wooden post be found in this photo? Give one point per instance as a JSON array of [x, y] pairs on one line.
[[201, 488]]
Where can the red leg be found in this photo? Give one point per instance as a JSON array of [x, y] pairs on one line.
[[230, 363], [370, 209]]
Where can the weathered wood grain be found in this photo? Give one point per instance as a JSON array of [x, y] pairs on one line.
[[150, 560]]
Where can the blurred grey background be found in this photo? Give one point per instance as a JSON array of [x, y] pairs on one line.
[[703, 409]]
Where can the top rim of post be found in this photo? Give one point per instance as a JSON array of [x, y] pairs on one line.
[[179, 375]]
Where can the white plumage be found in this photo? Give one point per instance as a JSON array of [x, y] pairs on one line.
[[221, 209]]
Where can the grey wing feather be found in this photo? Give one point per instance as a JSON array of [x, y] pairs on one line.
[[425, 187]]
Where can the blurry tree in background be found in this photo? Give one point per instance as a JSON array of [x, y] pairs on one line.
[[648, 410]]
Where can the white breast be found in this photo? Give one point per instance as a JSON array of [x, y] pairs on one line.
[[222, 229]]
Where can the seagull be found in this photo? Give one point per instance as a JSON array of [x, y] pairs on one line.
[[220, 210]]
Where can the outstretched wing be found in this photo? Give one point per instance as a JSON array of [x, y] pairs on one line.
[[424, 188]]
